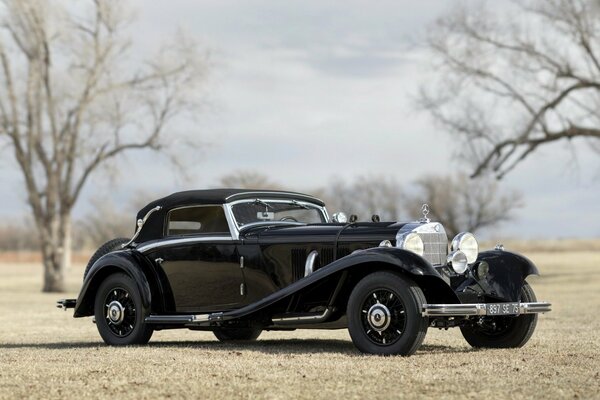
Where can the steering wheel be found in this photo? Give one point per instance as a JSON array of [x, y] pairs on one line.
[[288, 218]]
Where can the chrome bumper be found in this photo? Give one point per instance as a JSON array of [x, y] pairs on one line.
[[466, 310]]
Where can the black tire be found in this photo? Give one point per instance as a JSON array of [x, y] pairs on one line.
[[399, 330], [503, 332], [108, 247], [130, 328], [237, 334]]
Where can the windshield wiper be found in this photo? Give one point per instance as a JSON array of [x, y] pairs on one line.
[[296, 203], [263, 203]]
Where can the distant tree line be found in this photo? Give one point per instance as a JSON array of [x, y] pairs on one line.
[[459, 203]]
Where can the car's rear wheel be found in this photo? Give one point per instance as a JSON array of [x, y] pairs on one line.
[[384, 315], [505, 331], [119, 312], [108, 247], [237, 334]]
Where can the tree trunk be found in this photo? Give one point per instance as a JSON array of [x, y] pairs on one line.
[[56, 254]]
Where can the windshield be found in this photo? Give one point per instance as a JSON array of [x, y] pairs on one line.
[[260, 210]]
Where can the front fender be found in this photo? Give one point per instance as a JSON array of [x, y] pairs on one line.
[[405, 260], [507, 273], [359, 264], [121, 261]]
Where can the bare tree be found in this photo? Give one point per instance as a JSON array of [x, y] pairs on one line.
[[248, 180], [510, 82], [105, 222], [365, 196], [463, 204], [71, 101]]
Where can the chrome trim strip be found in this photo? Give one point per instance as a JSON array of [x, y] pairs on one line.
[[292, 194], [177, 319], [140, 225], [235, 233], [533, 308], [466, 310], [186, 240], [235, 230], [305, 318]]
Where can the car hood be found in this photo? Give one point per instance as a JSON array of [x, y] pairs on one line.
[[361, 231]]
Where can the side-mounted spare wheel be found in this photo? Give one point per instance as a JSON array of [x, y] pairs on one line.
[[384, 315], [108, 247], [503, 331], [120, 315]]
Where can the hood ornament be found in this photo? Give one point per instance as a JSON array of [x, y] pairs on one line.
[[425, 211]]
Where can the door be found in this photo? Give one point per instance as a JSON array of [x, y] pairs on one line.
[[204, 276], [200, 260]]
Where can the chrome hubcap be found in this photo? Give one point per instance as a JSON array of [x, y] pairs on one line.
[[379, 317], [116, 312]]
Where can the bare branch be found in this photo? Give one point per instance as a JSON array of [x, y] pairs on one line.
[[480, 204], [535, 79], [71, 104]]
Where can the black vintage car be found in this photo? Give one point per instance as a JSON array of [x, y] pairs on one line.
[[237, 262]]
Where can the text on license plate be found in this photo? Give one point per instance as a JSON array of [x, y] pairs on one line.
[[502, 309]]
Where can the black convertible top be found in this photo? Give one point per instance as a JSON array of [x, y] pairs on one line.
[[153, 227], [220, 196]]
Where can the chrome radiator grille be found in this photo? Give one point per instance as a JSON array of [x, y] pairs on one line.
[[436, 247]]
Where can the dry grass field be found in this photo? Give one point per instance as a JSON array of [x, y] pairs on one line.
[[45, 353]]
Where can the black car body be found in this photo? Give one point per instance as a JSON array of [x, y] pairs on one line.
[[237, 262]]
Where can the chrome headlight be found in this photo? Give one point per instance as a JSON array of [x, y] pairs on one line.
[[458, 261], [466, 242], [410, 241]]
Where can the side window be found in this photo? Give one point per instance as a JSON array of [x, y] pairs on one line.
[[193, 220]]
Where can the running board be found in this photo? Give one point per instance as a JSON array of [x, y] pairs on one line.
[[189, 319], [308, 318]]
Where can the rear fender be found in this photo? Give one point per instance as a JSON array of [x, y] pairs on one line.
[[116, 262]]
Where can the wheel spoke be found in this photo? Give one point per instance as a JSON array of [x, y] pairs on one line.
[[120, 312], [382, 315]]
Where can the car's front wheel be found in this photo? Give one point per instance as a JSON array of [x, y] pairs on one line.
[[505, 331], [384, 315], [119, 312]]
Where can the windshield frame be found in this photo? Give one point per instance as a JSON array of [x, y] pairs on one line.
[[293, 201]]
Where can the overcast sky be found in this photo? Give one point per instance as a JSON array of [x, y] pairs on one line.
[[311, 90]]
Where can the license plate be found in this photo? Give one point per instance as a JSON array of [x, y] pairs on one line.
[[503, 309]]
